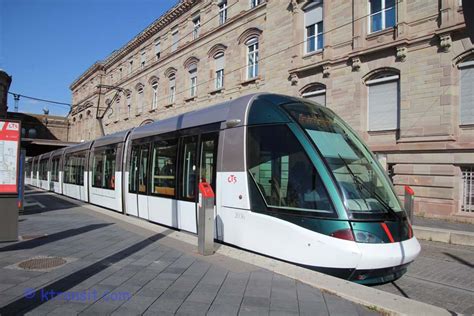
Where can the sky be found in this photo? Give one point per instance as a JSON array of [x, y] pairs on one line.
[[46, 44]]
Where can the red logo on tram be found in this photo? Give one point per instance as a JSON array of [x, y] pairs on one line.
[[232, 179]]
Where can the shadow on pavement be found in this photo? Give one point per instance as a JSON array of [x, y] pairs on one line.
[[460, 260], [400, 290], [52, 238], [36, 298]]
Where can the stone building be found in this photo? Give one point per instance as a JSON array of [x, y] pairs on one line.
[[5, 81], [400, 73]]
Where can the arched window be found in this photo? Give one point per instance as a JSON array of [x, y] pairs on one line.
[[252, 57], [128, 97], [117, 108], [383, 100], [219, 68], [192, 80], [140, 97], [32, 132], [172, 88], [315, 92], [466, 84], [154, 88]]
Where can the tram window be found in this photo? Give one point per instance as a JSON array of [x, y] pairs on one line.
[[28, 169], [74, 168], [43, 169], [164, 168], [208, 161], [103, 168], [188, 181], [143, 170], [132, 178], [283, 172], [55, 169]]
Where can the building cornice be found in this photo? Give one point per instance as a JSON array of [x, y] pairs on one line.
[[97, 66], [159, 24], [170, 16]]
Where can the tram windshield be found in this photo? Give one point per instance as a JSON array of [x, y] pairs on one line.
[[364, 185]]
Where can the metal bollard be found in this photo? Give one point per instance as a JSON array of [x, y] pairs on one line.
[[409, 202], [206, 219]]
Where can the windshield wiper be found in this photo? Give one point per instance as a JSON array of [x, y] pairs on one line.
[[360, 184]]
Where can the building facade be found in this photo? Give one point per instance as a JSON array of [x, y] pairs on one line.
[[401, 73]]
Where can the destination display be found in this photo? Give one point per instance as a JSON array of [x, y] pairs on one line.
[[9, 144]]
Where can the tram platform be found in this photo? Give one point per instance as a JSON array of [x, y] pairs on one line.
[[444, 231], [75, 258]]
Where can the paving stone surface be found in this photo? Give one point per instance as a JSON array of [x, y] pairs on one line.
[[443, 275], [116, 269]]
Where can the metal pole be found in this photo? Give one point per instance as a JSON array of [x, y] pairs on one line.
[[409, 202], [16, 97]]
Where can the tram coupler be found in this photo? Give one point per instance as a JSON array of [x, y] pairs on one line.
[[409, 202], [206, 219]]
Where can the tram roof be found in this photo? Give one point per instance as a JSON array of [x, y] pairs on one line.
[[57, 152], [229, 110], [79, 147], [114, 138]]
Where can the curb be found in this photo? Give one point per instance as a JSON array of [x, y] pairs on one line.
[[384, 302], [455, 237]]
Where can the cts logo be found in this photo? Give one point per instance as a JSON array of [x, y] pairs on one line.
[[232, 179], [13, 127]]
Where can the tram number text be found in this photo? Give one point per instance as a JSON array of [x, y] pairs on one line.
[[239, 216]]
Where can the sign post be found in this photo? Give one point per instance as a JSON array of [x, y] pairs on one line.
[[206, 219], [409, 202], [9, 172]]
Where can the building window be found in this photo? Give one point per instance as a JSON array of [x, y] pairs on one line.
[[129, 104], [196, 26], [172, 89], [252, 57], [142, 60], [117, 109], [175, 38], [140, 99], [219, 66], [467, 204], [32, 132], [254, 3], [316, 93], [130, 66], [313, 19], [222, 11], [467, 92], [193, 80], [382, 14], [120, 73], [384, 102], [157, 49], [154, 103]]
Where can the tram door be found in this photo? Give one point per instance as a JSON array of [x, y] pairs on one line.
[[198, 163], [137, 202], [142, 197]]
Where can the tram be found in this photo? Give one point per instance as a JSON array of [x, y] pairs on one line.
[[293, 181]]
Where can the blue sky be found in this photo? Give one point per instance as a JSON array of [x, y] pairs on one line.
[[46, 44]]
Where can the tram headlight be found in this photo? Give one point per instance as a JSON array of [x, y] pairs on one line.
[[366, 237]]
